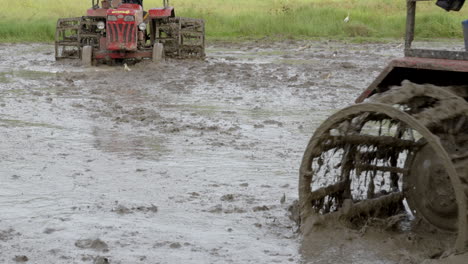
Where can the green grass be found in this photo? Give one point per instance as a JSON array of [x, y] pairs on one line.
[[34, 20]]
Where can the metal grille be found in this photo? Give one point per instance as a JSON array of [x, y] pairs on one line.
[[124, 31]]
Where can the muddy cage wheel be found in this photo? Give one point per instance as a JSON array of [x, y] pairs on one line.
[[67, 38], [408, 143], [182, 37]]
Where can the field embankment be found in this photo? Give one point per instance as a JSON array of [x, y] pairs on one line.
[[34, 20]]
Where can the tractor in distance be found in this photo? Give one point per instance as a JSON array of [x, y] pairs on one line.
[[122, 30]]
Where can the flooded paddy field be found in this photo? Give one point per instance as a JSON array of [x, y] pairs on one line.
[[177, 162]]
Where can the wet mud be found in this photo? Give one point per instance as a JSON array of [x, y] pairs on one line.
[[178, 162]]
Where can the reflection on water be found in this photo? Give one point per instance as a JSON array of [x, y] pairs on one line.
[[21, 123], [129, 145]]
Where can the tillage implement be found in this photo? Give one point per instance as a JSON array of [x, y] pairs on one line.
[[402, 149]]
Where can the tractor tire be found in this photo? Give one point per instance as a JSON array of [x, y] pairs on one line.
[[410, 142], [87, 56], [158, 52]]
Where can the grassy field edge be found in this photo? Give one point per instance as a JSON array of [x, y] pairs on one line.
[[34, 20]]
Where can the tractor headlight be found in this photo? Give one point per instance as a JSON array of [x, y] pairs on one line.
[[142, 26], [112, 18], [101, 25], [129, 18]]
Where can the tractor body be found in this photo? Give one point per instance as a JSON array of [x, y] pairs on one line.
[[122, 28], [438, 67], [124, 31]]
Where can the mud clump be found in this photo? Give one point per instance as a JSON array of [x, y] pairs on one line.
[[8, 234], [230, 209], [227, 197], [215, 209], [101, 260], [273, 122], [175, 245], [234, 210], [21, 258], [153, 208], [123, 210], [49, 230], [96, 244], [260, 208]]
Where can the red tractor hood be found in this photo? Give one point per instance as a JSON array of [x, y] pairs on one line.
[[122, 33], [125, 9]]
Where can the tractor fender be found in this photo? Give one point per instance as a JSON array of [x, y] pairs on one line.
[[161, 12], [440, 72]]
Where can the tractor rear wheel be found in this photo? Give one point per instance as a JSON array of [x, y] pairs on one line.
[[408, 143]]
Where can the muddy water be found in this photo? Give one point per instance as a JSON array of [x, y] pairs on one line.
[[181, 162]]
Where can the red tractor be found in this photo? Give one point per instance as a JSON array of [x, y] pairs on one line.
[[122, 30]]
